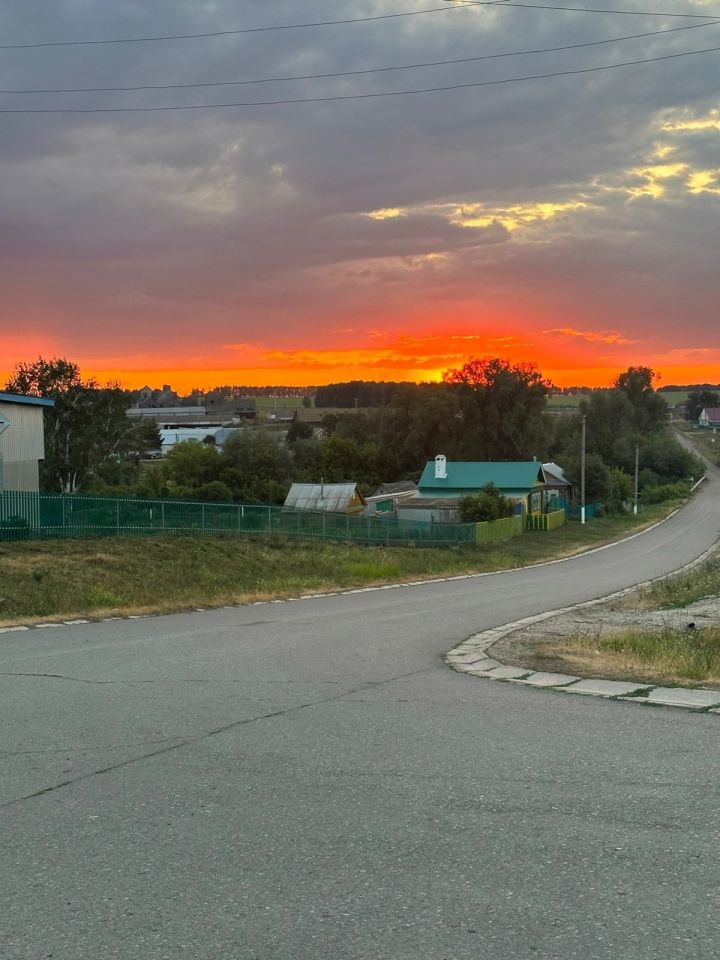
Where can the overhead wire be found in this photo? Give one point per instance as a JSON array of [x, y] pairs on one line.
[[359, 96], [246, 30], [364, 72], [462, 5], [619, 12]]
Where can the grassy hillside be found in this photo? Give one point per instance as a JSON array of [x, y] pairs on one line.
[[103, 577]]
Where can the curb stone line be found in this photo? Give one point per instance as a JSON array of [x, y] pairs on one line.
[[461, 658]]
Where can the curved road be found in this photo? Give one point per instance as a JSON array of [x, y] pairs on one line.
[[307, 780]]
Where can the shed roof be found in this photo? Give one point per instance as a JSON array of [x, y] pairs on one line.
[[396, 486], [328, 497], [555, 474], [18, 398], [712, 413], [469, 475]]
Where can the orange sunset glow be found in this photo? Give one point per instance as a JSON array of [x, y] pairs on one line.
[[406, 358]]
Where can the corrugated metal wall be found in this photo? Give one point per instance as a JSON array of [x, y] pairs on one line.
[[21, 446]]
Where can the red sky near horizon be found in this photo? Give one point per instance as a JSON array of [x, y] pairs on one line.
[[570, 223]]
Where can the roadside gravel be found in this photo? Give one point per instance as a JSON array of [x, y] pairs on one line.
[[531, 646]]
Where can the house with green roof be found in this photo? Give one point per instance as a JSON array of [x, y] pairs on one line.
[[524, 482]]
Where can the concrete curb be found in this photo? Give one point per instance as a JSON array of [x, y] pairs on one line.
[[472, 657]]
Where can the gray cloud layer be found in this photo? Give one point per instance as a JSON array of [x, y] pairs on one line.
[[160, 231]]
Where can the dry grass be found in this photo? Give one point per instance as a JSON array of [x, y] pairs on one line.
[[666, 656], [105, 577]]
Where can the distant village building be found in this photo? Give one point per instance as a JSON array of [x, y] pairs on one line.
[[160, 405], [325, 497], [168, 415], [429, 510], [709, 418], [214, 434], [22, 441], [523, 482], [217, 402], [558, 486], [389, 496], [282, 415], [149, 398], [165, 406]]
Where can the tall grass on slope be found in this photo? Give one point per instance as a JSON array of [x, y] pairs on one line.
[[686, 588]]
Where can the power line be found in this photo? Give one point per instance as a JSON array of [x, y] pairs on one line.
[[463, 5], [244, 30], [356, 73], [364, 96], [625, 13]]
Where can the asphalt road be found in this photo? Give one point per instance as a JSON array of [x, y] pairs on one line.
[[306, 780]]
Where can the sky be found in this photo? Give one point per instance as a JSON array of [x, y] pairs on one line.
[[568, 221]]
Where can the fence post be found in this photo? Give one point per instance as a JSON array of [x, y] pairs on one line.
[[162, 514], [202, 518], [117, 517], [269, 520]]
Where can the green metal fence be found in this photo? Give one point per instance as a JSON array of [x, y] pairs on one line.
[[47, 516]]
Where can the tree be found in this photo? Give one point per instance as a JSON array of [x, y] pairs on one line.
[[620, 490], [87, 426], [650, 409], [299, 431], [192, 464], [597, 476], [509, 400], [256, 466]]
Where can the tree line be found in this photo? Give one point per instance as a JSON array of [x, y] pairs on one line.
[[488, 409]]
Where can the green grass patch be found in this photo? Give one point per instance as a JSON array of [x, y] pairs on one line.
[[666, 654], [685, 588], [101, 577]]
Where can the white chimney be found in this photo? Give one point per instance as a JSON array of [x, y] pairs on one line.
[[441, 467]]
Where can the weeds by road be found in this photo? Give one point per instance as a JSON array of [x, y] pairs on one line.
[[667, 633], [697, 583]]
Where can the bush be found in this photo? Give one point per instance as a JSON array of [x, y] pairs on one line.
[[14, 528], [665, 491], [597, 476], [488, 504], [214, 492], [620, 490]]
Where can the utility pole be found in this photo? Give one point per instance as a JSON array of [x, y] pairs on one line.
[[582, 475], [637, 465]]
